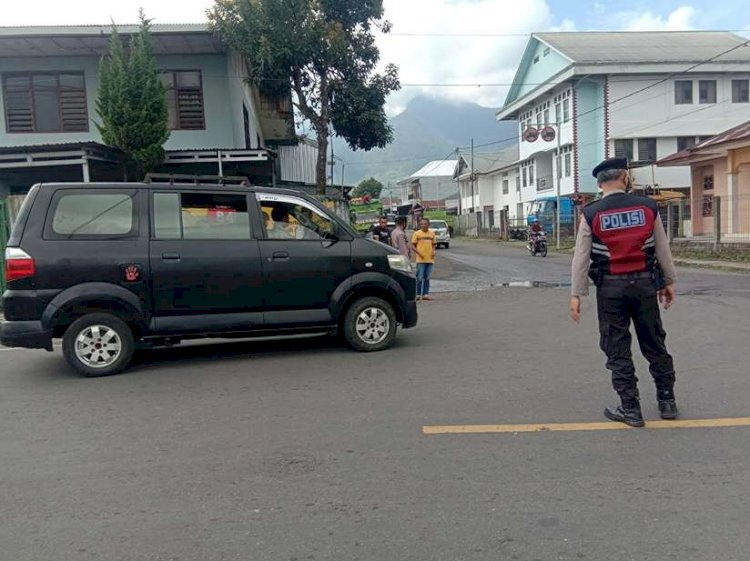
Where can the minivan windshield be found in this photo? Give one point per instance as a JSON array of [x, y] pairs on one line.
[[438, 224]]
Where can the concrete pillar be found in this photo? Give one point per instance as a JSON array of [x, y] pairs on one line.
[[86, 171], [732, 202]]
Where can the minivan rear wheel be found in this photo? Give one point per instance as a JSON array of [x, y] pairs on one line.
[[370, 324], [98, 345]]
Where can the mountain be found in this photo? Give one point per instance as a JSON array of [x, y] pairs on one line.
[[428, 129]]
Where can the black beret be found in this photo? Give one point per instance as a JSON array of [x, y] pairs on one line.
[[612, 163]]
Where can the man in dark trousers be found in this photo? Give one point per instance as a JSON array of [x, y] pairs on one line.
[[623, 247]]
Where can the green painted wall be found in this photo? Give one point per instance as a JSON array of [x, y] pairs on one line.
[[591, 141]]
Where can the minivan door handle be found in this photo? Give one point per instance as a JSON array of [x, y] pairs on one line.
[[279, 256], [170, 256]]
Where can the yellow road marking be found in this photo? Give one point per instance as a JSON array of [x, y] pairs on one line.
[[573, 427]]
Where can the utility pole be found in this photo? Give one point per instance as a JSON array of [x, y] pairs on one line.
[[474, 210], [333, 162], [558, 165]]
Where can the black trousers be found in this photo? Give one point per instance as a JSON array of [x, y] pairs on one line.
[[620, 300]]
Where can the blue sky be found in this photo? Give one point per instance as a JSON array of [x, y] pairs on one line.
[[608, 14]]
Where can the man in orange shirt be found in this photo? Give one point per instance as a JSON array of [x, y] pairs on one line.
[[424, 244]]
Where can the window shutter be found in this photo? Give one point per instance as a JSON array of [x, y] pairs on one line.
[[190, 108], [19, 112], [73, 110]]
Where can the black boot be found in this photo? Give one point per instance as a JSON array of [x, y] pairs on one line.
[[667, 404], [629, 413]]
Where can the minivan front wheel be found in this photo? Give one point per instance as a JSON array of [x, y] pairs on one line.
[[98, 345], [370, 325]]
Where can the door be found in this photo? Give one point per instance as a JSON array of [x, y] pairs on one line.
[[303, 263], [205, 263]]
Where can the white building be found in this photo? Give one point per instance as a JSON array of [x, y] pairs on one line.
[[640, 95], [488, 183], [431, 183]]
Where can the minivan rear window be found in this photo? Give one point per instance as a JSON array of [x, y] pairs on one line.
[[92, 215]]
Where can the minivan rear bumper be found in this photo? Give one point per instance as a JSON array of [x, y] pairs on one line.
[[25, 334]]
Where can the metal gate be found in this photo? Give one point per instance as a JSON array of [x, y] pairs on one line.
[[4, 235]]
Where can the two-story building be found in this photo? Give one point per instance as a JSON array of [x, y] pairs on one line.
[[488, 183], [640, 95], [219, 124]]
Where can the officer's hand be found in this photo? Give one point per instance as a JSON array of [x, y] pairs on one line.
[[666, 296], [575, 308]]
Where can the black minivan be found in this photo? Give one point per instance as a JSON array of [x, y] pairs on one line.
[[113, 267]]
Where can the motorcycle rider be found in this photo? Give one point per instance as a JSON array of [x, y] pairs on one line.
[[535, 231]]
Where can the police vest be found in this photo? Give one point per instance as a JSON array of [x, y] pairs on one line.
[[622, 227]]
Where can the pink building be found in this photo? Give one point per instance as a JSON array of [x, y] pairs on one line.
[[720, 168]]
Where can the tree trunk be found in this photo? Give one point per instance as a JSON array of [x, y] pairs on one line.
[[320, 168]]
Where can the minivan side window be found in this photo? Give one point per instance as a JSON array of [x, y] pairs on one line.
[[201, 216], [289, 218], [89, 215]]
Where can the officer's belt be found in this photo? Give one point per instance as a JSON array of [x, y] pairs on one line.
[[629, 276]]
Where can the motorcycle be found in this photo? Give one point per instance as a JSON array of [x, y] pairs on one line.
[[537, 244]]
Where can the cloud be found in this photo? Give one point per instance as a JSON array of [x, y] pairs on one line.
[[680, 19], [466, 59]]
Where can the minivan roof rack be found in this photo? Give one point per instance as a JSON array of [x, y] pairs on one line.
[[176, 178]]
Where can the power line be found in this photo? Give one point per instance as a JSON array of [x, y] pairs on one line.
[[470, 34]]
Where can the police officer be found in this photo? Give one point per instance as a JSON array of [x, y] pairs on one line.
[[623, 247]]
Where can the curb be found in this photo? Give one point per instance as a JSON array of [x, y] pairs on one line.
[[728, 266]]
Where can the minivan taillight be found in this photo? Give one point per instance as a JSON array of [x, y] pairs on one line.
[[18, 264]]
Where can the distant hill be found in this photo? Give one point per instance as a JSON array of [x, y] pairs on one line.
[[429, 129]]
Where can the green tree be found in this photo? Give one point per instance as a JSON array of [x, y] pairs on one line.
[[324, 52], [371, 187], [131, 102]]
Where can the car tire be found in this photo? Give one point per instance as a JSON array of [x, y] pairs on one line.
[[447, 246], [369, 325], [98, 345]]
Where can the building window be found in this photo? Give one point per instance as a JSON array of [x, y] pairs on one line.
[[706, 91], [531, 174], [558, 112], [647, 149], [184, 99], [740, 91], [566, 110], [506, 184], [518, 183], [624, 148], [568, 162], [685, 142], [45, 102], [683, 92], [708, 206], [546, 117], [525, 177], [708, 182]]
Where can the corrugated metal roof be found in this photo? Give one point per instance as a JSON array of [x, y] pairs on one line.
[[647, 46], [739, 133], [26, 148], [485, 162], [93, 40], [57, 30], [437, 168]]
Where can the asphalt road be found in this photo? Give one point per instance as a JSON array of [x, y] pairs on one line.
[[300, 450]]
